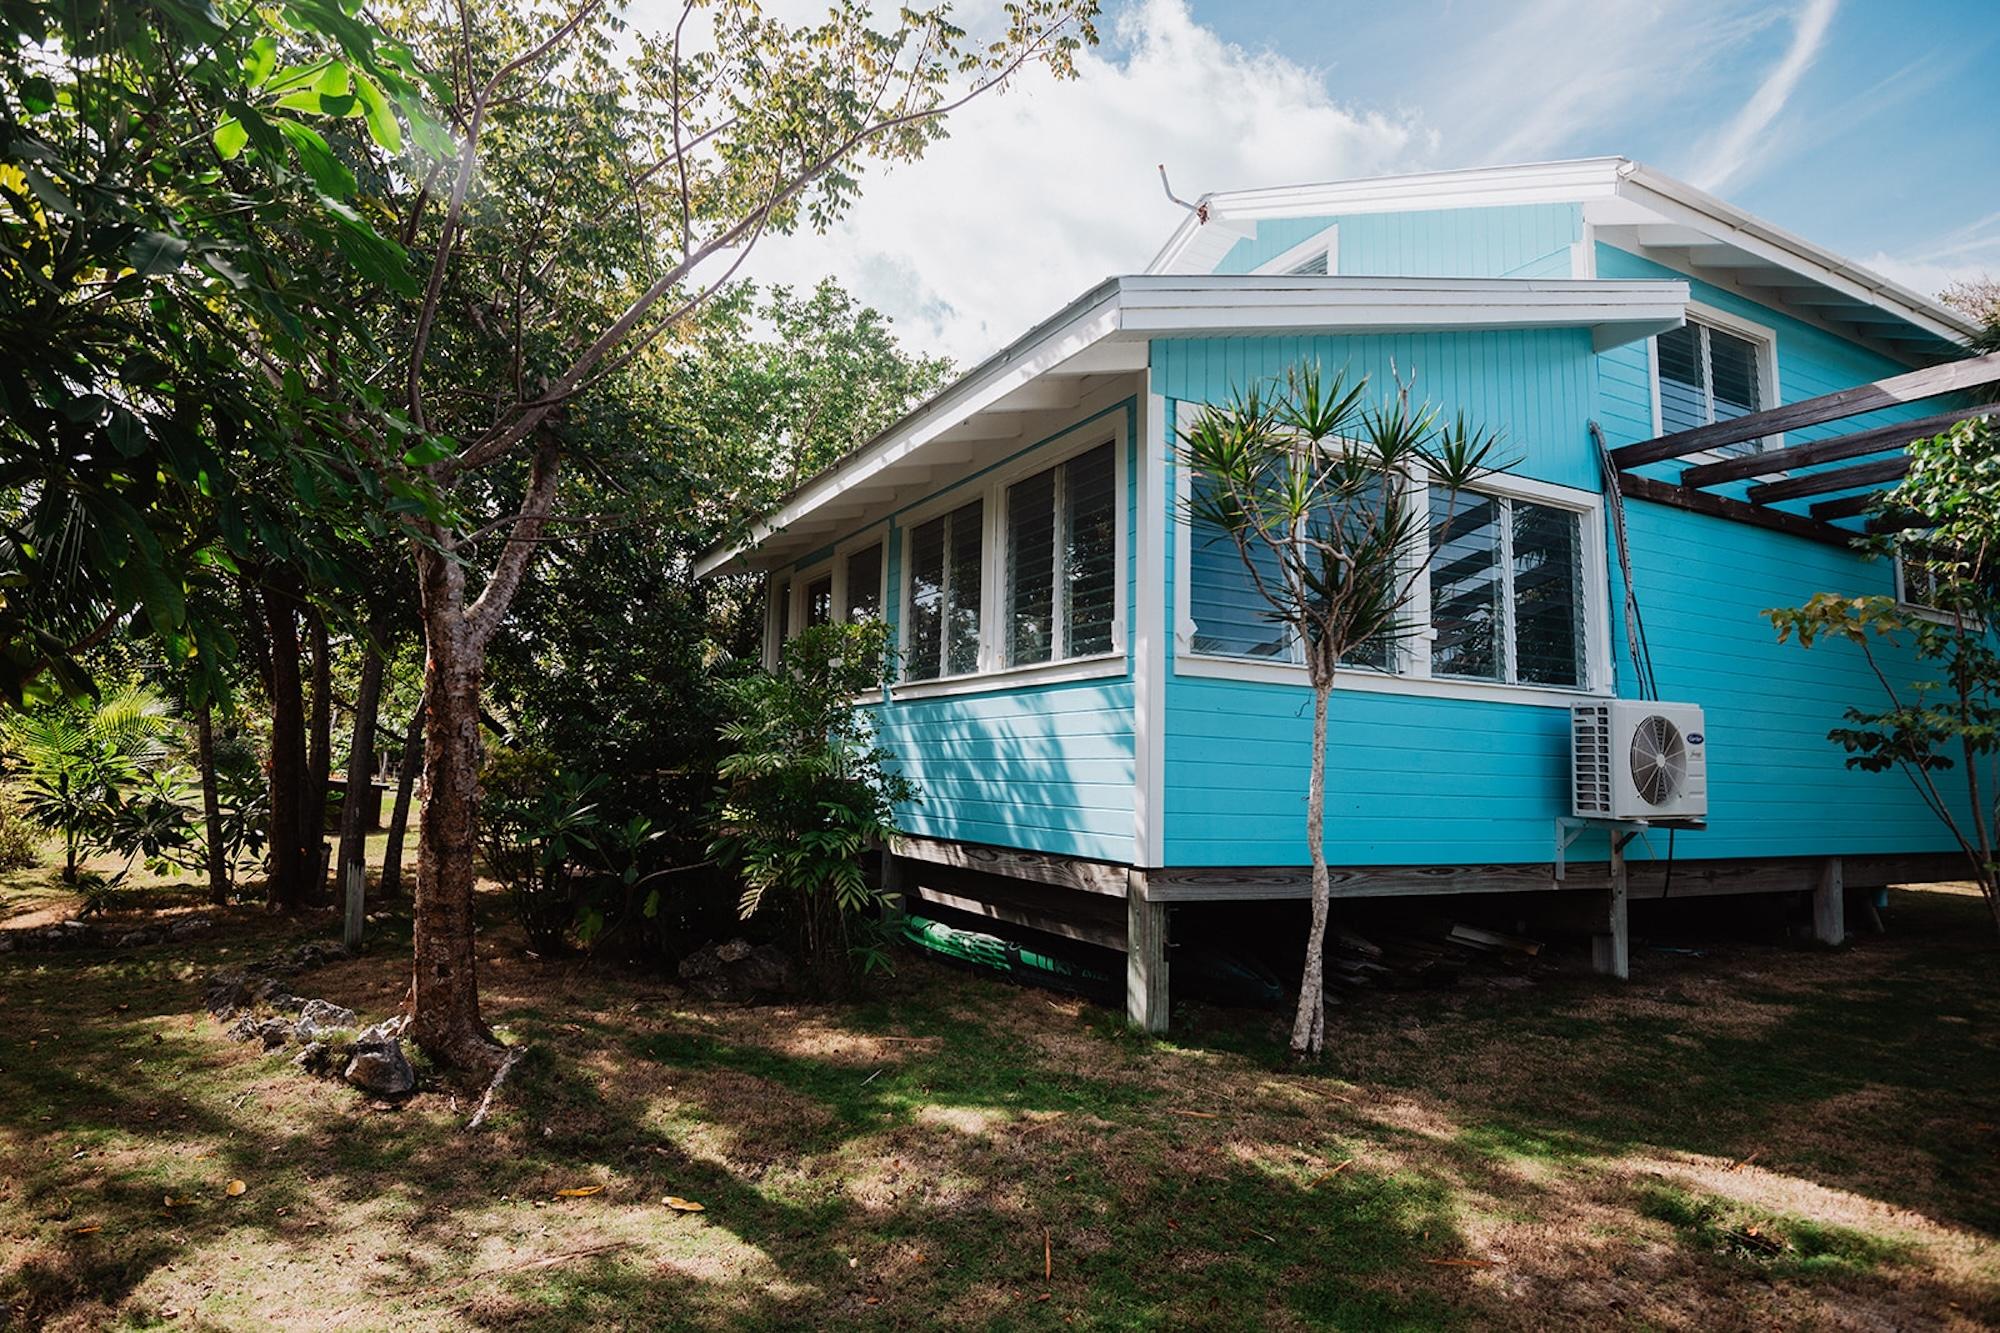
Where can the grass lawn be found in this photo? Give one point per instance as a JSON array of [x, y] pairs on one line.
[[1761, 1136]]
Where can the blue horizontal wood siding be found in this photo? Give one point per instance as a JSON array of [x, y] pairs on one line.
[[1046, 769], [1524, 240], [1534, 384]]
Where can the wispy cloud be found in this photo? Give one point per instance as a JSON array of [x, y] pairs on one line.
[[1738, 143]]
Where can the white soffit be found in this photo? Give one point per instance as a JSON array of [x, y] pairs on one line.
[[1106, 334]]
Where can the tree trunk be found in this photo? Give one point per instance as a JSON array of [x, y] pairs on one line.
[[391, 883], [286, 885], [353, 859], [444, 989], [211, 806], [319, 757], [1309, 1027]]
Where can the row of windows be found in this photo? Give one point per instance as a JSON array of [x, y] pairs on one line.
[[1503, 600], [1059, 567]]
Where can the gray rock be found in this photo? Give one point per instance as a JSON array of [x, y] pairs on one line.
[[389, 1029], [380, 1069], [192, 928], [317, 1058], [317, 1016], [740, 972], [273, 1032]]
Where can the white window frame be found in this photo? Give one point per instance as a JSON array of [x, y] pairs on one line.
[[1414, 676], [1922, 610], [1766, 339], [1058, 600], [992, 672], [878, 535], [1321, 242]]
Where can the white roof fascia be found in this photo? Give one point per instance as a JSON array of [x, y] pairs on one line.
[[1137, 309], [1080, 324], [1677, 201], [1582, 181]]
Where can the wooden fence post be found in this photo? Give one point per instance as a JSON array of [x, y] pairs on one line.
[[1830, 904], [1611, 953]]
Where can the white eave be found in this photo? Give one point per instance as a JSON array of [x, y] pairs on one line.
[[1101, 340], [1631, 206]]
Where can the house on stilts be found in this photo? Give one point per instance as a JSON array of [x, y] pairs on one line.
[[1105, 726]]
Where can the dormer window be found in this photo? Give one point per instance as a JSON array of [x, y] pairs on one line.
[[1314, 267]]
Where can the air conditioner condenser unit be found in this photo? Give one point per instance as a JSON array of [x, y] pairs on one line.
[[1631, 759]]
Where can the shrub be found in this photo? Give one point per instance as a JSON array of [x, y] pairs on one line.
[[540, 828], [20, 839], [808, 791]]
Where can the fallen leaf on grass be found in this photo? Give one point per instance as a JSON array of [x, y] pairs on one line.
[[1462, 1263], [1329, 1175], [85, 1231], [234, 1188], [1196, 1115], [680, 1205], [171, 1202], [580, 1192]]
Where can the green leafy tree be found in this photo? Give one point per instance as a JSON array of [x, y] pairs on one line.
[[807, 791], [94, 775], [1942, 730], [1311, 487]]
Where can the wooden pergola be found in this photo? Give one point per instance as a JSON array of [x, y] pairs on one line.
[[1872, 459]]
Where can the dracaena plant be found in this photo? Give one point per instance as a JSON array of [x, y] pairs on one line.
[[1310, 482]]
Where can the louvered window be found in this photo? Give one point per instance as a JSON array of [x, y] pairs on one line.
[[942, 594], [1708, 375], [1062, 560], [1505, 587]]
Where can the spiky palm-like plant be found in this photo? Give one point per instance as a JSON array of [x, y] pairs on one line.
[[1314, 489], [77, 764]]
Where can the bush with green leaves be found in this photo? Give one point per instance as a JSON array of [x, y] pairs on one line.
[[20, 840], [1946, 532], [100, 776], [808, 790]]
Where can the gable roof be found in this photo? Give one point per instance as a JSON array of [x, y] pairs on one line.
[[1631, 206], [1103, 336]]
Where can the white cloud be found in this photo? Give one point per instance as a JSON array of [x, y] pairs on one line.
[[1739, 142], [1046, 188]]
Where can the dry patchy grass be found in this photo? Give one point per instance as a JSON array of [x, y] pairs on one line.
[[959, 1151]]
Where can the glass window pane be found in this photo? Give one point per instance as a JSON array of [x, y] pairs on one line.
[[925, 600], [1683, 396], [1031, 557], [1090, 551], [961, 613], [1732, 377], [1548, 595], [1231, 617], [819, 601], [864, 584], [1465, 585], [784, 596]]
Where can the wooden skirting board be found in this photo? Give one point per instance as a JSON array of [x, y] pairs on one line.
[[1648, 879]]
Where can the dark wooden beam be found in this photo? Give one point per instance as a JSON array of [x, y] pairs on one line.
[[1847, 506], [1858, 445], [1951, 377], [1636, 487], [1833, 479]]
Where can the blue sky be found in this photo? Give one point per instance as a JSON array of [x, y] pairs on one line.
[[1863, 125]]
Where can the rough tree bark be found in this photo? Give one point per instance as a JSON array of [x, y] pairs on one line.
[[352, 875], [1309, 1027], [211, 805], [319, 758], [391, 883], [286, 885], [444, 990]]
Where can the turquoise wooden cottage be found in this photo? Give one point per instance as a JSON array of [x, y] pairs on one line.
[[1103, 725]]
